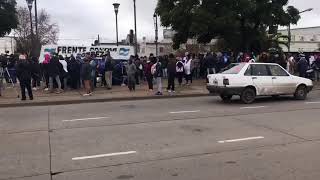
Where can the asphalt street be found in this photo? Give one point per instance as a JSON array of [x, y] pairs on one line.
[[169, 139]]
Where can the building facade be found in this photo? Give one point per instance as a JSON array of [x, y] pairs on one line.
[[303, 39]]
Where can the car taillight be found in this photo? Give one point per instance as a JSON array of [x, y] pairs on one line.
[[225, 82]]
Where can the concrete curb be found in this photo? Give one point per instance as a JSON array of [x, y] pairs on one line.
[[83, 101]]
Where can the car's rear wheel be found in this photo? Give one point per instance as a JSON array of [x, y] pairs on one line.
[[301, 93], [226, 98], [248, 96]]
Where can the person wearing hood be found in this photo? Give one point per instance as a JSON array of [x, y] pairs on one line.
[[74, 72], [303, 66], [210, 63], [171, 73], [53, 70], [36, 73], [24, 74], [45, 65]]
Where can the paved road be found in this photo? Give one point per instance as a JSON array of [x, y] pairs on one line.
[[178, 139]]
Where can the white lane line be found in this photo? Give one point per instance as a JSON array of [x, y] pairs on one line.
[[85, 119], [243, 139], [103, 155], [313, 102], [181, 112], [253, 107]]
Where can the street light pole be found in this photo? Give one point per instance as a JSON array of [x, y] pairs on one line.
[[289, 29], [116, 10], [155, 19], [30, 3], [135, 28], [37, 46]]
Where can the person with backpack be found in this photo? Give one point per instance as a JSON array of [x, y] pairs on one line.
[[171, 73], [303, 66], [158, 74], [180, 71]]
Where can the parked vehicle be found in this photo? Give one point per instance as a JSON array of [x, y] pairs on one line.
[[249, 80]]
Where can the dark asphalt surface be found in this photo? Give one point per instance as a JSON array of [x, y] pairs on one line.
[[169, 139]]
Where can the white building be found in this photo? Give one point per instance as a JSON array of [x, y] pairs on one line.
[[7, 43], [303, 39]]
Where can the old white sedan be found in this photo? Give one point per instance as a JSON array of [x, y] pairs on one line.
[[249, 80]]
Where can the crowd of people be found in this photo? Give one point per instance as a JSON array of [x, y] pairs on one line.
[[60, 73]]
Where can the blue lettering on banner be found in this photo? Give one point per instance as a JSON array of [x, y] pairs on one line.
[[124, 51]]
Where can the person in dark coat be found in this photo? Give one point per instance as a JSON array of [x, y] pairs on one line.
[[171, 73], [303, 66], [148, 74], [74, 70], [54, 71], [86, 72], [210, 62], [24, 74], [36, 72]]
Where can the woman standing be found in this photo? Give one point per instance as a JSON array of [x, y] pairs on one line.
[[86, 76], [131, 71]]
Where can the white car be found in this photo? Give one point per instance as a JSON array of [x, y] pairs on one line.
[[249, 80]]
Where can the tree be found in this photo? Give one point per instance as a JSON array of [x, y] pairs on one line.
[[8, 16], [242, 24], [48, 31]]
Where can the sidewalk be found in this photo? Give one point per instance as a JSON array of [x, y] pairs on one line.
[[118, 93], [41, 98]]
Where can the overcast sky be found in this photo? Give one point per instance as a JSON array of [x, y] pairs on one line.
[[81, 21]]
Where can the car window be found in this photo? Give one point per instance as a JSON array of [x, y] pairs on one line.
[[257, 70], [277, 71], [235, 69]]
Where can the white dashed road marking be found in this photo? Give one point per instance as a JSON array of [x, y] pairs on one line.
[[313, 102], [253, 107], [243, 139], [181, 112], [103, 155], [85, 119]]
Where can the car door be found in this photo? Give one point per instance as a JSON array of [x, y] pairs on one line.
[[283, 83], [261, 79]]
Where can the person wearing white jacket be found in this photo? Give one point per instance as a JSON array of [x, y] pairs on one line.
[[188, 70]]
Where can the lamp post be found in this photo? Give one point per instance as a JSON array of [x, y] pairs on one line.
[[155, 19], [116, 10], [37, 42], [289, 29], [30, 3], [135, 28]]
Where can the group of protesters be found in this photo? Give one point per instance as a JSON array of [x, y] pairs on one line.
[[60, 73]]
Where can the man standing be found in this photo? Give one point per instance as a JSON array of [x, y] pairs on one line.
[[109, 69], [171, 73], [24, 76], [148, 74], [210, 63], [53, 70], [157, 72]]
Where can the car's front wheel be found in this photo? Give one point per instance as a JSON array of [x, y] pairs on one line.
[[226, 98], [248, 96], [301, 93]]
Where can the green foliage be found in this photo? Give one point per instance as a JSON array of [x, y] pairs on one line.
[[242, 24], [8, 16]]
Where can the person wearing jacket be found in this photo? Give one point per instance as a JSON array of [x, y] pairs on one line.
[[171, 68], [303, 66], [179, 71], [210, 62], [64, 74], [24, 74], [53, 71], [317, 67], [148, 74], [86, 71], [158, 74], [109, 69], [131, 72]]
